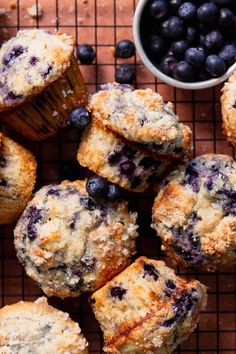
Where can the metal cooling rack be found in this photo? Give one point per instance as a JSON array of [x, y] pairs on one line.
[[102, 23]]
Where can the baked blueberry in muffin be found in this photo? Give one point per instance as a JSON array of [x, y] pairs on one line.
[[147, 308], [69, 243], [17, 178], [195, 213], [40, 82], [141, 116], [118, 160], [36, 327]]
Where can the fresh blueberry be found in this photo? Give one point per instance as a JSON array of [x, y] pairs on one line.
[[207, 13], [183, 71], [191, 34], [114, 192], [187, 11], [118, 292], [97, 186], [167, 64], [213, 41], [124, 49], [175, 4], [179, 48], [222, 2], [228, 54], [158, 9], [202, 39], [172, 28], [202, 74], [195, 56], [13, 54], [226, 18], [79, 117], [157, 44], [215, 65], [125, 73], [85, 53]]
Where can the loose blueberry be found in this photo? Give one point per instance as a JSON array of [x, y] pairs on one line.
[[13, 54], [125, 73], [191, 34], [150, 270], [179, 48], [213, 41], [124, 49], [85, 53], [202, 74], [228, 54], [172, 28], [157, 44], [226, 18], [79, 117], [118, 292], [158, 9], [175, 4], [215, 65], [167, 65], [195, 56], [183, 71], [207, 13], [187, 11], [97, 186], [114, 192]]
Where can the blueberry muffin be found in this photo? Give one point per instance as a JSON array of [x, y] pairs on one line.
[[228, 107], [40, 82], [36, 327], [17, 179], [70, 243], [118, 160], [147, 308], [195, 213], [143, 117]]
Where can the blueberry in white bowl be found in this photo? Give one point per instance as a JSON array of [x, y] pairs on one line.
[[187, 44]]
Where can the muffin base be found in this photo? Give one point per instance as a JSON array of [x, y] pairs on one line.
[[105, 153], [47, 113]]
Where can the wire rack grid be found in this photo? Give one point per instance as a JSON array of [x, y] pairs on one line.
[[102, 23]]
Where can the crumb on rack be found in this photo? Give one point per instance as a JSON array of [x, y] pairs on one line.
[[33, 11], [112, 49], [71, 9]]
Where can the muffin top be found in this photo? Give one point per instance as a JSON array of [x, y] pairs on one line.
[[71, 243], [141, 116], [228, 106], [36, 327], [195, 213], [147, 308], [29, 62]]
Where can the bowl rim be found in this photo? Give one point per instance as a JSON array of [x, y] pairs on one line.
[[159, 74]]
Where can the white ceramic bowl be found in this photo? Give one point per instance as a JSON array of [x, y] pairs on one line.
[[159, 74]]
